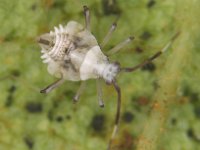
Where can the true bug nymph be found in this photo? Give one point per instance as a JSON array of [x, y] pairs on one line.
[[73, 53]]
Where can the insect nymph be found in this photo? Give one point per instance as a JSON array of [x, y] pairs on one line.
[[73, 53]]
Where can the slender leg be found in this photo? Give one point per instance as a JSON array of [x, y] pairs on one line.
[[107, 37], [131, 69], [99, 93], [120, 45], [52, 86], [87, 17], [117, 117], [79, 92]]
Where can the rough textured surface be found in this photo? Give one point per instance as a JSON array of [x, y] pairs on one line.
[[164, 101]]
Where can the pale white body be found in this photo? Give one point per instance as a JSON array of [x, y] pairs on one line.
[[74, 54]]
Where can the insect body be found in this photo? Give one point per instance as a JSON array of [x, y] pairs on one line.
[[73, 53]]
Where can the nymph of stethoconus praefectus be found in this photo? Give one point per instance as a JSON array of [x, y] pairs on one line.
[[73, 53]]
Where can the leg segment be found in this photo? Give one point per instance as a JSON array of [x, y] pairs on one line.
[[108, 36], [117, 117], [131, 69], [99, 93], [79, 92], [52, 86], [120, 45], [87, 17]]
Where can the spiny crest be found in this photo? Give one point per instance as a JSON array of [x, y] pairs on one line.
[[58, 44]]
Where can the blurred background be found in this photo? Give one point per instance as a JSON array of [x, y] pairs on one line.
[[160, 102]]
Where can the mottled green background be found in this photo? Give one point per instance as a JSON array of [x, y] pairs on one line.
[[160, 103]]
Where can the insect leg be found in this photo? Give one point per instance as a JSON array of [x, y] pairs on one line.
[[120, 45], [87, 17], [80, 91], [52, 86], [157, 54], [99, 93], [108, 35], [117, 117]]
